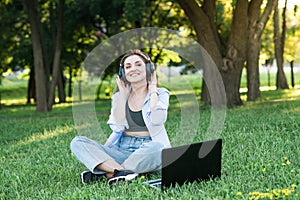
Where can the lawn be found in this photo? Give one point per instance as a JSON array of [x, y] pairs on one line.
[[260, 158]]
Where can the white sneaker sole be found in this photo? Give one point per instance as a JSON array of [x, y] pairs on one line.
[[81, 177], [128, 177]]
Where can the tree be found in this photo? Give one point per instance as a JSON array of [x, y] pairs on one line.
[[292, 39], [231, 61], [40, 78], [279, 40], [56, 74], [257, 24], [44, 55]]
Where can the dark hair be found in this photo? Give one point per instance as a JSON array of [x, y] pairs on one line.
[[137, 52]]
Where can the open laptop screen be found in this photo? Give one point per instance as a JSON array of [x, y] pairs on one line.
[[189, 163]]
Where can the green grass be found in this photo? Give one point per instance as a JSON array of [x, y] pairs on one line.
[[261, 150], [13, 88]]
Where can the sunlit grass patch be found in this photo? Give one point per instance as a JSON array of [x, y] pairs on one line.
[[46, 134]]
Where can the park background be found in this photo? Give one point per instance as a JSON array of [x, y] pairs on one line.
[[261, 129]]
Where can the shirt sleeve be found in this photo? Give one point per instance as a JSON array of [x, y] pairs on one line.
[[113, 139], [117, 128], [158, 114]]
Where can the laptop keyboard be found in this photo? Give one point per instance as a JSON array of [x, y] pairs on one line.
[[158, 184], [154, 183]]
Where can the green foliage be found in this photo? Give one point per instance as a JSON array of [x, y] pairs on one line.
[[292, 36], [86, 24], [15, 42], [135, 9], [223, 22]]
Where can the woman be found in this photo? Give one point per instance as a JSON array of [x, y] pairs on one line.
[[138, 113]]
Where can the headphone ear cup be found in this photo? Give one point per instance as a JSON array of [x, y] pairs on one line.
[[152, 68], [149, 70], [122, 74]]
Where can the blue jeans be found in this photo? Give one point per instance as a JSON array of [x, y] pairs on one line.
[[138, 154]]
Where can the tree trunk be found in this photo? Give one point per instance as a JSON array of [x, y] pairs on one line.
[[203, 22], [46, 60], [253, 83], [70, 82], [230, 67], [0, 91], [56, 62], [281, 82], [292, 74], [253, 52], [61, 87], [41, 101], [31, 89], [236, 51], [257, 23], [243, 43]]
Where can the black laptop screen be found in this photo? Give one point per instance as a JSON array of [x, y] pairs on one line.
[[189, 163]]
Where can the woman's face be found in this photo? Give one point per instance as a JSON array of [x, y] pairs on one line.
[[135, 69]]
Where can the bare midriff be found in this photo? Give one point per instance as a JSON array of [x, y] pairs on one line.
[[138, 134]]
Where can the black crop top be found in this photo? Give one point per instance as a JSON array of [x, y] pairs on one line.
[[135, 120]]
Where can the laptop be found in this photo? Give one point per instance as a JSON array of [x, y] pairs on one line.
[[189, 163]]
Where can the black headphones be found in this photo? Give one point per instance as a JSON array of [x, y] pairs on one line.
[[149, 65]]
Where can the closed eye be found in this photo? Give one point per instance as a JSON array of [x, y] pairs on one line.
[[127, 66], [138, 63]]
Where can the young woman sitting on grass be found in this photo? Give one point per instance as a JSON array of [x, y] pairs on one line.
[[138, 113]]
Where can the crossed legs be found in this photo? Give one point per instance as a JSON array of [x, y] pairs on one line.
[[101, 159]]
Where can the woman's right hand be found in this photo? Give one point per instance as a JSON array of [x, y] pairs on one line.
[[123, 88]]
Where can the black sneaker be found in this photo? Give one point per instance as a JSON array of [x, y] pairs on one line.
[[88, 177], [122, 175]]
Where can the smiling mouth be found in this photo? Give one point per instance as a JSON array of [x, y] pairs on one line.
[[135, 74]]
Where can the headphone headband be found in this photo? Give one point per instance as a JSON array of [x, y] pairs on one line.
[[137, 52]]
